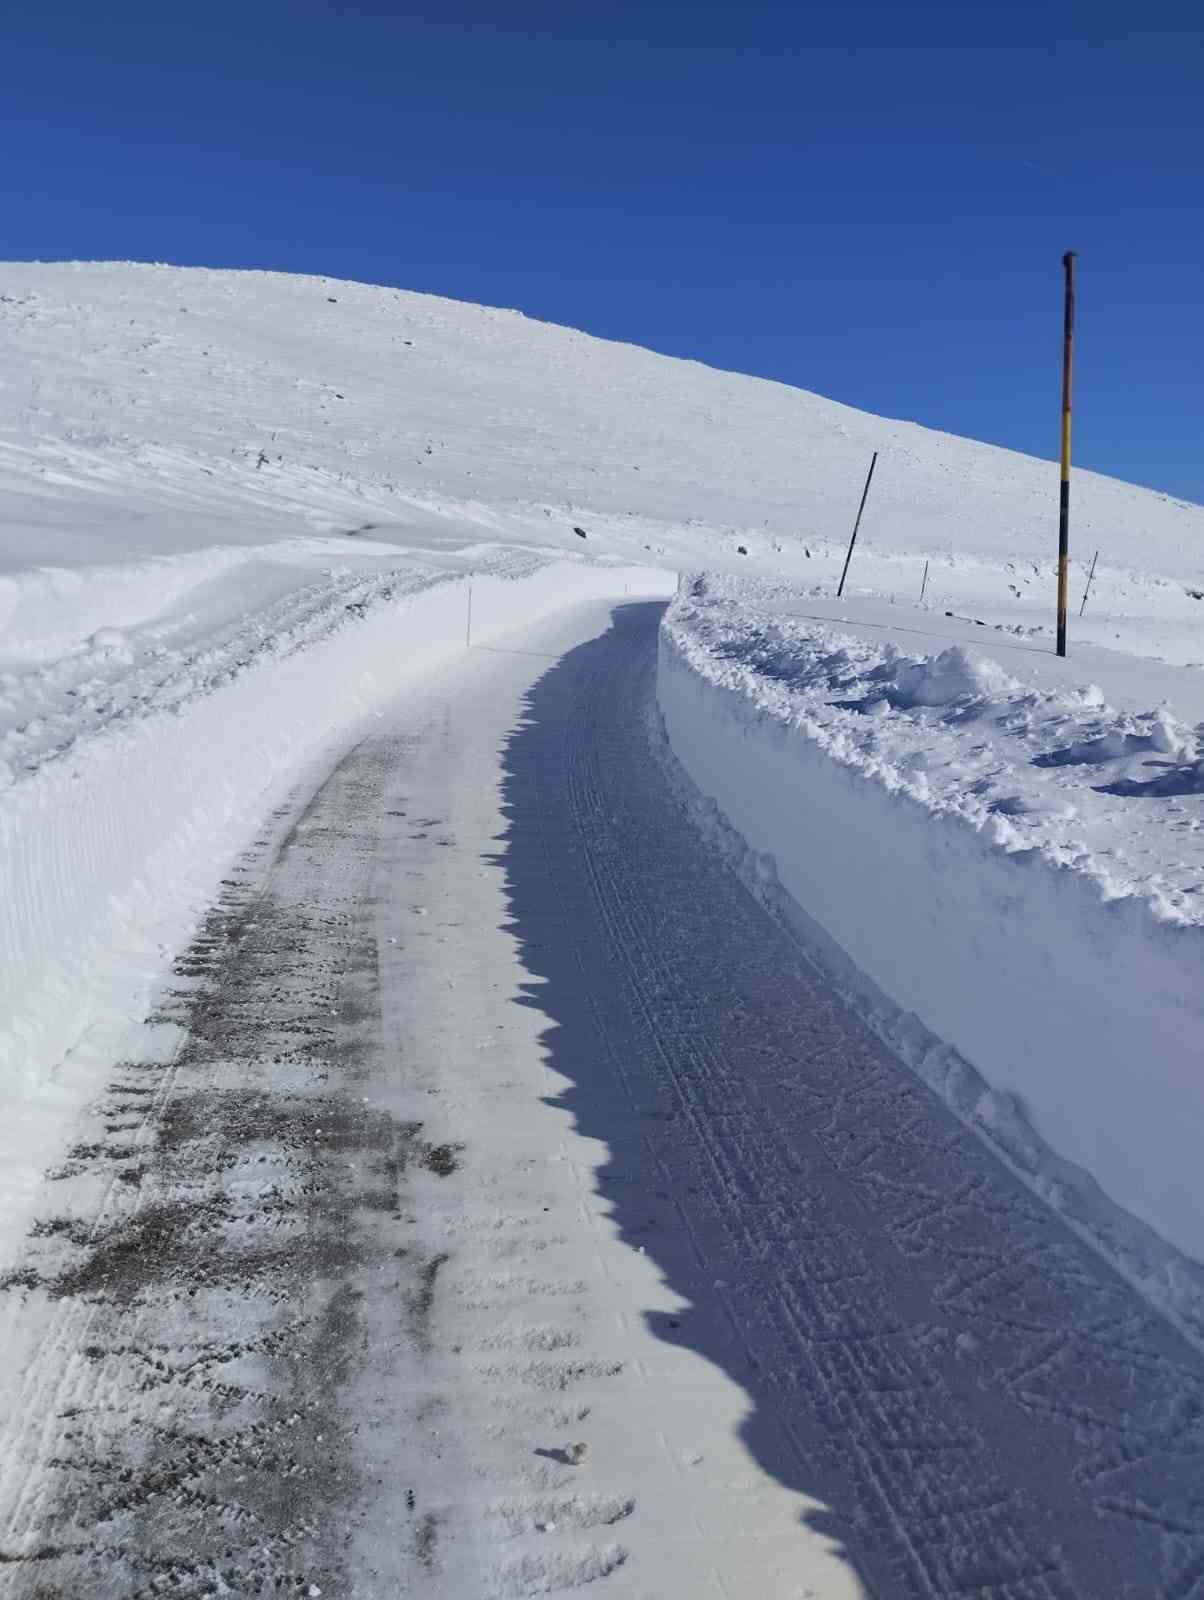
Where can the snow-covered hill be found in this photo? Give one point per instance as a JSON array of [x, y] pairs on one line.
[[196, 465], [150, 411]]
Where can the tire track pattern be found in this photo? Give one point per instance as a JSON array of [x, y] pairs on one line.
[[997, 1414]]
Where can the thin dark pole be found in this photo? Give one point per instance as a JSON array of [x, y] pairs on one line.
[[924, 585], [856, 525], [1090, 576], [1064, 490]]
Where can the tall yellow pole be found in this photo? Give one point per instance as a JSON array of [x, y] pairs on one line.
[[1064, 495]]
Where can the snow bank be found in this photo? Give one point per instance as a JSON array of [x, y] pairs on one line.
[[108, 853], [1056, 1006]]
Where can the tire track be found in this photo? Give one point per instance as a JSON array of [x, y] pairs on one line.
[[982, 1383]]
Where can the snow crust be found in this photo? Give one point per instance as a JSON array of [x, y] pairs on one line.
[[1003, 866]]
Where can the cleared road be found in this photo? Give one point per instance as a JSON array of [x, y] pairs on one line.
[[501, 1204]]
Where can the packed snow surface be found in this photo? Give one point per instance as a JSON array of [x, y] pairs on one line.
[[110, 851]]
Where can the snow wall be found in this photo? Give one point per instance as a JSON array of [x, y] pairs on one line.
[[108, 854], [1067, 1030]]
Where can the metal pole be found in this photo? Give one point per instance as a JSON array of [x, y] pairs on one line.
[[1087, 590], [924, 585], [856, 525], [1064, 491]]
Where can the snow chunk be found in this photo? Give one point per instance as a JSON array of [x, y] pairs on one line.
[[951, 676]]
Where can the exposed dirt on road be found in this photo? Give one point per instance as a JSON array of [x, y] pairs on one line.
[[192, 1441]]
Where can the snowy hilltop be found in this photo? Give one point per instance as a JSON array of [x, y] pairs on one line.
[[151, 411]]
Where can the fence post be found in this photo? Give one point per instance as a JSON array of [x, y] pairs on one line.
[[856, 525], [1087, 590], [1064, 489]]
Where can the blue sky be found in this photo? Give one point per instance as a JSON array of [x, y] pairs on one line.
[[866, 200]]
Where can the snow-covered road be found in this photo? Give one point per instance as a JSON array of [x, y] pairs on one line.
[[490, 1117]]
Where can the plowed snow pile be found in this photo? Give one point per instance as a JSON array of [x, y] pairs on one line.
[[1003, 857]]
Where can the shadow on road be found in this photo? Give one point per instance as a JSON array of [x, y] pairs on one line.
[[600, 1034], [973, 1401]]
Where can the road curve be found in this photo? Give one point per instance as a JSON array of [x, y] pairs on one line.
[[488, 1118]]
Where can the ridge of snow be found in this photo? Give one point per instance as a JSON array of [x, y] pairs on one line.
[[1040, 762], [1029, 937]]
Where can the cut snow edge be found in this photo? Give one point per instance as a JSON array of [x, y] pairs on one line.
[[1063, 1029]]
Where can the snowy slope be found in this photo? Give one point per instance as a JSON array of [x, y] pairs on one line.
[[149, 411], [1095, 762]]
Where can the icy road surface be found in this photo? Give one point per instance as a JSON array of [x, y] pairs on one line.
[[488, 1118]]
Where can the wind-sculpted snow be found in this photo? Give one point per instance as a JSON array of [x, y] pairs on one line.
[[1006, 866]]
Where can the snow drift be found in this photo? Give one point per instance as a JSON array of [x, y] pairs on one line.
[[1053, 999]]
